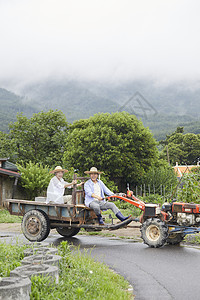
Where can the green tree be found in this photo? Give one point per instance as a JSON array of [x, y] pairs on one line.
[[117, 144], [182, 148], [40, 138], [7, 146], [34, 178], [160, 174]]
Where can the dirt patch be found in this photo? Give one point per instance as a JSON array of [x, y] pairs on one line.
[[131, 231], [10, 227]]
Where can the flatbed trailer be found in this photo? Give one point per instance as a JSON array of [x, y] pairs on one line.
[[40, 217]]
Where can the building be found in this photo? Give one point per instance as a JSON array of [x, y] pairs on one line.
[[9, 176], [184, 169]]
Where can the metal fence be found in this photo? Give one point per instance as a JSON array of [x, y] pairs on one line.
[[147, 190]]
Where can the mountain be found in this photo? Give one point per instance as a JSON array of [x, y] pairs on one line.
[[10, 105], [73, 98], [161, 108]]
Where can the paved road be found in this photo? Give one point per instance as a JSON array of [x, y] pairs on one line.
[[171, 272]]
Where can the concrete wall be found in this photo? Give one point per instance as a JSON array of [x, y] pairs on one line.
[[6, 189]]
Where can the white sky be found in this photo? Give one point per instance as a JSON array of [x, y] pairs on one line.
[[100, 39]]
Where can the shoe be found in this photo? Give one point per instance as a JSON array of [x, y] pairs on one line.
[[100, 219], [121, 217]]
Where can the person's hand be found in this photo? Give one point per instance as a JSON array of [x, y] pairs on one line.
[[74, 182], [80, 183], [100, 198]]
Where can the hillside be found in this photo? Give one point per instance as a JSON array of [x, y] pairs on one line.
[[11, 104], [162, 109]]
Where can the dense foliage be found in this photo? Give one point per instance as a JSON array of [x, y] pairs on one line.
[[117, 144], [34, 178], [189, 189], [38, 139], [182, 148], [160, 174]]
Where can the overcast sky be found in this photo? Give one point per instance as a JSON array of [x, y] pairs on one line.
[[100, 39]]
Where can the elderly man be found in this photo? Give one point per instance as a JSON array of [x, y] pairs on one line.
[[56, 187], [94, 196]]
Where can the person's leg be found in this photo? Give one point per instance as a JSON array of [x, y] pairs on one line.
[[109, 205], [115, 209], [95, 205]]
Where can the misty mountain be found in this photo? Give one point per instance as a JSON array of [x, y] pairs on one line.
[[162, 109], [10, 105], [73, 98]]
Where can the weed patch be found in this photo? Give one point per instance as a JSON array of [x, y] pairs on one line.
[[5, 217], [10, 257]]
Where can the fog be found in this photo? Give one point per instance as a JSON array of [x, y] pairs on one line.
[[109, 40]]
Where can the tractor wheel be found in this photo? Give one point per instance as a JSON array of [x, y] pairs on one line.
[[154, 233], [35, 225], [67, 232], [175, 238]]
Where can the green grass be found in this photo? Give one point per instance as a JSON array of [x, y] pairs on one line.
[[10, 257], [5, 217]]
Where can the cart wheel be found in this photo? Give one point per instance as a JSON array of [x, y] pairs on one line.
[[154, 233], [35, 225], [68, 232], [175, 238]]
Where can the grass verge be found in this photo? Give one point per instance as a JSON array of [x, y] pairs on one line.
[[10, 257], [5, 217]]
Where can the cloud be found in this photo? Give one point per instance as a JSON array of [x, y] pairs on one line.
[[100, 40]]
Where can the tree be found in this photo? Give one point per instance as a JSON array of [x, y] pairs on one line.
[[40, 138], [161, 174], [117, 144], [7, 146], [182, 148]]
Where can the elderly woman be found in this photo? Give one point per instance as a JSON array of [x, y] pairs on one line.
[[56, 187], [94, 196]]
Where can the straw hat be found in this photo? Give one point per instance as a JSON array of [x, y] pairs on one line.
[[58, 169], [93, 170]]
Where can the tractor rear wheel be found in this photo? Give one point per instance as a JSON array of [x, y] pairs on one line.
[[154, 232], [175, 238], [67, 232]]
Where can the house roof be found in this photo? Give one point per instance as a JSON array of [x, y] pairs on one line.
[[180, 170], [9, 173], [8, 168]]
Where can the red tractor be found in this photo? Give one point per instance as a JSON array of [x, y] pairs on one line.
[[168, 224]]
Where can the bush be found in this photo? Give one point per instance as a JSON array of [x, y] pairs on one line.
[[34, 178], [190, 191]]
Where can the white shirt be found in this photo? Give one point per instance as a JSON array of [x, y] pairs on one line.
[[97, 190], [55, 190]]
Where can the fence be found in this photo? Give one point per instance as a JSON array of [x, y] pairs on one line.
[[147, 190]]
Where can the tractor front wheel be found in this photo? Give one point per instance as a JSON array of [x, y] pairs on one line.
[[154, 232]]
